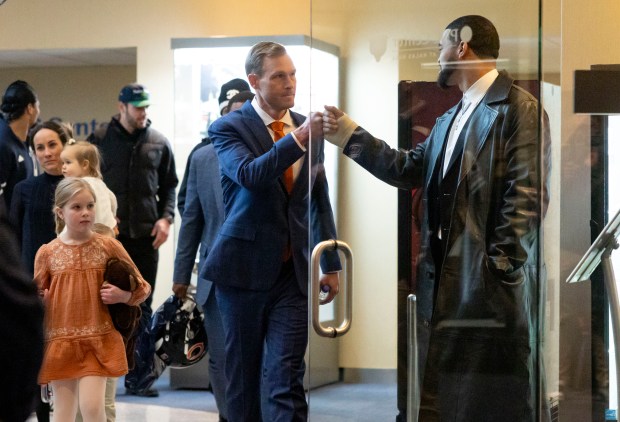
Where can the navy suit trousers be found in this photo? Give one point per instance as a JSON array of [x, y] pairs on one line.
[[266, 337], [217, 357]]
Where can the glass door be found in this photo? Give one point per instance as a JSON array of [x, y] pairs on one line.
[[388, 51]]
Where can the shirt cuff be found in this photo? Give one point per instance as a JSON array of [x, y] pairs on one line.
[[303, 148], [346, 127]]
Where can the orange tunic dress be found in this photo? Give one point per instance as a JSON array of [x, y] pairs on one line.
[[80, 339]]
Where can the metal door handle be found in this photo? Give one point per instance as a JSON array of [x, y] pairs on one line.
[[345, 290]]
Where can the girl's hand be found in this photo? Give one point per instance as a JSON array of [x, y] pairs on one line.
[[43, 294], [111, 294]]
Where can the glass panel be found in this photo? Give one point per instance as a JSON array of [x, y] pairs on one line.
[[613, 193], [481, 284]]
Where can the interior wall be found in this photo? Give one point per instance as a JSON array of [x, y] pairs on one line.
[[84, 96]]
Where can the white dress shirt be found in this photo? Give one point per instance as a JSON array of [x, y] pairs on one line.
[[471, 99]]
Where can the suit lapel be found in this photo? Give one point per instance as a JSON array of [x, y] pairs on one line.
[[476, 136], [443, 128], [256, 125], [264, 141]]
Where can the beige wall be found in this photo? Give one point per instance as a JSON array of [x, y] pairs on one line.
[[84, 96]]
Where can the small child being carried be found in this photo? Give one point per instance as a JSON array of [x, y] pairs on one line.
[[82, 159]]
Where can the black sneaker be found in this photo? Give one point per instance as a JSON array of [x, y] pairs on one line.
[[149, 392]]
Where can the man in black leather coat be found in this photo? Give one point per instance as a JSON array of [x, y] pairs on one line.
[[484, 171]]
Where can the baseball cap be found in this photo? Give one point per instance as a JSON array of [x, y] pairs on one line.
[[230, 89], [136, 95]]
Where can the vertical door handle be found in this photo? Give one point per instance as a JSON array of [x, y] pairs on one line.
[[345, 290]]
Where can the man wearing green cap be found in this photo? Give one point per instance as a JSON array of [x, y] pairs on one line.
[[138, 166]]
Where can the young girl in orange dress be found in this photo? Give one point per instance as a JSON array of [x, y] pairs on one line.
[[82, 348]]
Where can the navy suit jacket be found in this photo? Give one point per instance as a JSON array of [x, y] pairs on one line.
[[201, 220], [261, 216]]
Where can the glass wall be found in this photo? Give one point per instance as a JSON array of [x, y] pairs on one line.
[[486, 315]]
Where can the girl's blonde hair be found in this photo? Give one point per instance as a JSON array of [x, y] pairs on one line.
[[86, 151], [67, 188]]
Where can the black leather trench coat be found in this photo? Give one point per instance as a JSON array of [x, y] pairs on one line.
[[478, 324]]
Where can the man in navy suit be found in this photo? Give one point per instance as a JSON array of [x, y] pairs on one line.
[[259, 261]]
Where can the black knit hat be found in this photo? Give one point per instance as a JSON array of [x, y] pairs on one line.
[[230, 89]]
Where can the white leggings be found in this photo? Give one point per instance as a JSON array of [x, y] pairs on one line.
[[86, 392]]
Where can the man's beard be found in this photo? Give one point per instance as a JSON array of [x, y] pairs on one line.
[[444, 75], [133, 123]]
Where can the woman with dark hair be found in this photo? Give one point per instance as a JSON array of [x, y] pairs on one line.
[[33, 198], [19, 111], [33, 201]]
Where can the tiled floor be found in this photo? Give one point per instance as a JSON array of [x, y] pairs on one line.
[[133, 412], [333, 403], [154, 413]]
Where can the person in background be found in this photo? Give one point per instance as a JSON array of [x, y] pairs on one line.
[[201, 220], [21, 331], [81, 159], [238, 100], [20, 110], [33, 198], [484, 169], [32, 203], [138, 167], [82, 347], [228, 91], [259, 259]]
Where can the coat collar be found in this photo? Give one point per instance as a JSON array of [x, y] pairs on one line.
[[442, 128], [484, 116]]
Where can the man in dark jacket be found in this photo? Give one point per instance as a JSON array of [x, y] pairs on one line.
[[230, 90], [138, 166], [484, 170]]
